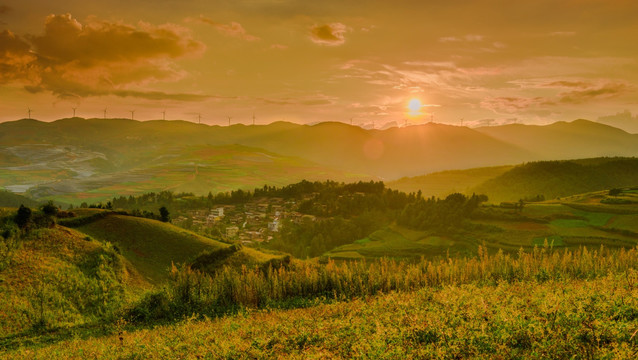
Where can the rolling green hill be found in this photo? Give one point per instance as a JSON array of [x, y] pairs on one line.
[[443, 183], [9, 199], [152, 247], [554, 179]]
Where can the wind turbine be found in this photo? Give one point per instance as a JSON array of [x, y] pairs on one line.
[[229, 120], [351, 121], [253, 119], [104, 113], [164, 115], [132, 114], [462, 121], [199, 118], [29, 111]]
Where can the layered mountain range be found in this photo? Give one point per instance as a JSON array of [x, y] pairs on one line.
[[93, 155]]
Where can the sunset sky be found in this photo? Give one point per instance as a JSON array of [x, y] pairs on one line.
[[483, 61]]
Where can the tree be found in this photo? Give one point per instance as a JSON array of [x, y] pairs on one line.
[[49, 209], [164, 214], [615, 192], [23, 217]]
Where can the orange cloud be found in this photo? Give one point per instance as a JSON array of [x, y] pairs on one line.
[[602, 92], [15, 58], [329, 34], [512, 104], [72, 59], [233, 29], [467, 38]]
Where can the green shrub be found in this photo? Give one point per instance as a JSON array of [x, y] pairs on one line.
[[9, 243]]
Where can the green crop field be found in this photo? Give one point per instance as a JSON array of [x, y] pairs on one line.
[[388, 242], [567, 224]]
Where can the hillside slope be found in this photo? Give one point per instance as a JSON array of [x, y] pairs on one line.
[[153, 247], [58, 277], [443, 183], [9, 199], [150, 245], [554, 179]]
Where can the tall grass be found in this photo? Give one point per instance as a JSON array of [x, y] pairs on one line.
[[192, 292]]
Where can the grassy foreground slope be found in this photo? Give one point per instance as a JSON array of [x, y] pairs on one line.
[[58, 277], [62, 278], [547, 304]]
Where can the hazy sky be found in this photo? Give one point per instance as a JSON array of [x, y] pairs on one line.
[[532, 61]]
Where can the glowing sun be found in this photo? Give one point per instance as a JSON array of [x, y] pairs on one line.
[[414, 105]]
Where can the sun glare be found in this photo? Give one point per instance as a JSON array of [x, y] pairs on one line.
[[414, 105]]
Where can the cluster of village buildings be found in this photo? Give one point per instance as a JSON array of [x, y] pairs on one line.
[[249, 223]]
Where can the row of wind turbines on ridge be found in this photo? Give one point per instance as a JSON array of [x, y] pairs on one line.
[[199, 115]]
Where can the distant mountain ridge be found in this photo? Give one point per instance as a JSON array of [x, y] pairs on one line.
[[111, 146], [567, 140], [390, 153]]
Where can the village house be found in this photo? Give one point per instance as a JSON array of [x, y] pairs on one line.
[[231, 232], [273, 225]]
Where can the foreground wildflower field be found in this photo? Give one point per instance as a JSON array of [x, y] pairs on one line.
[[554, 319], [588, 312]]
